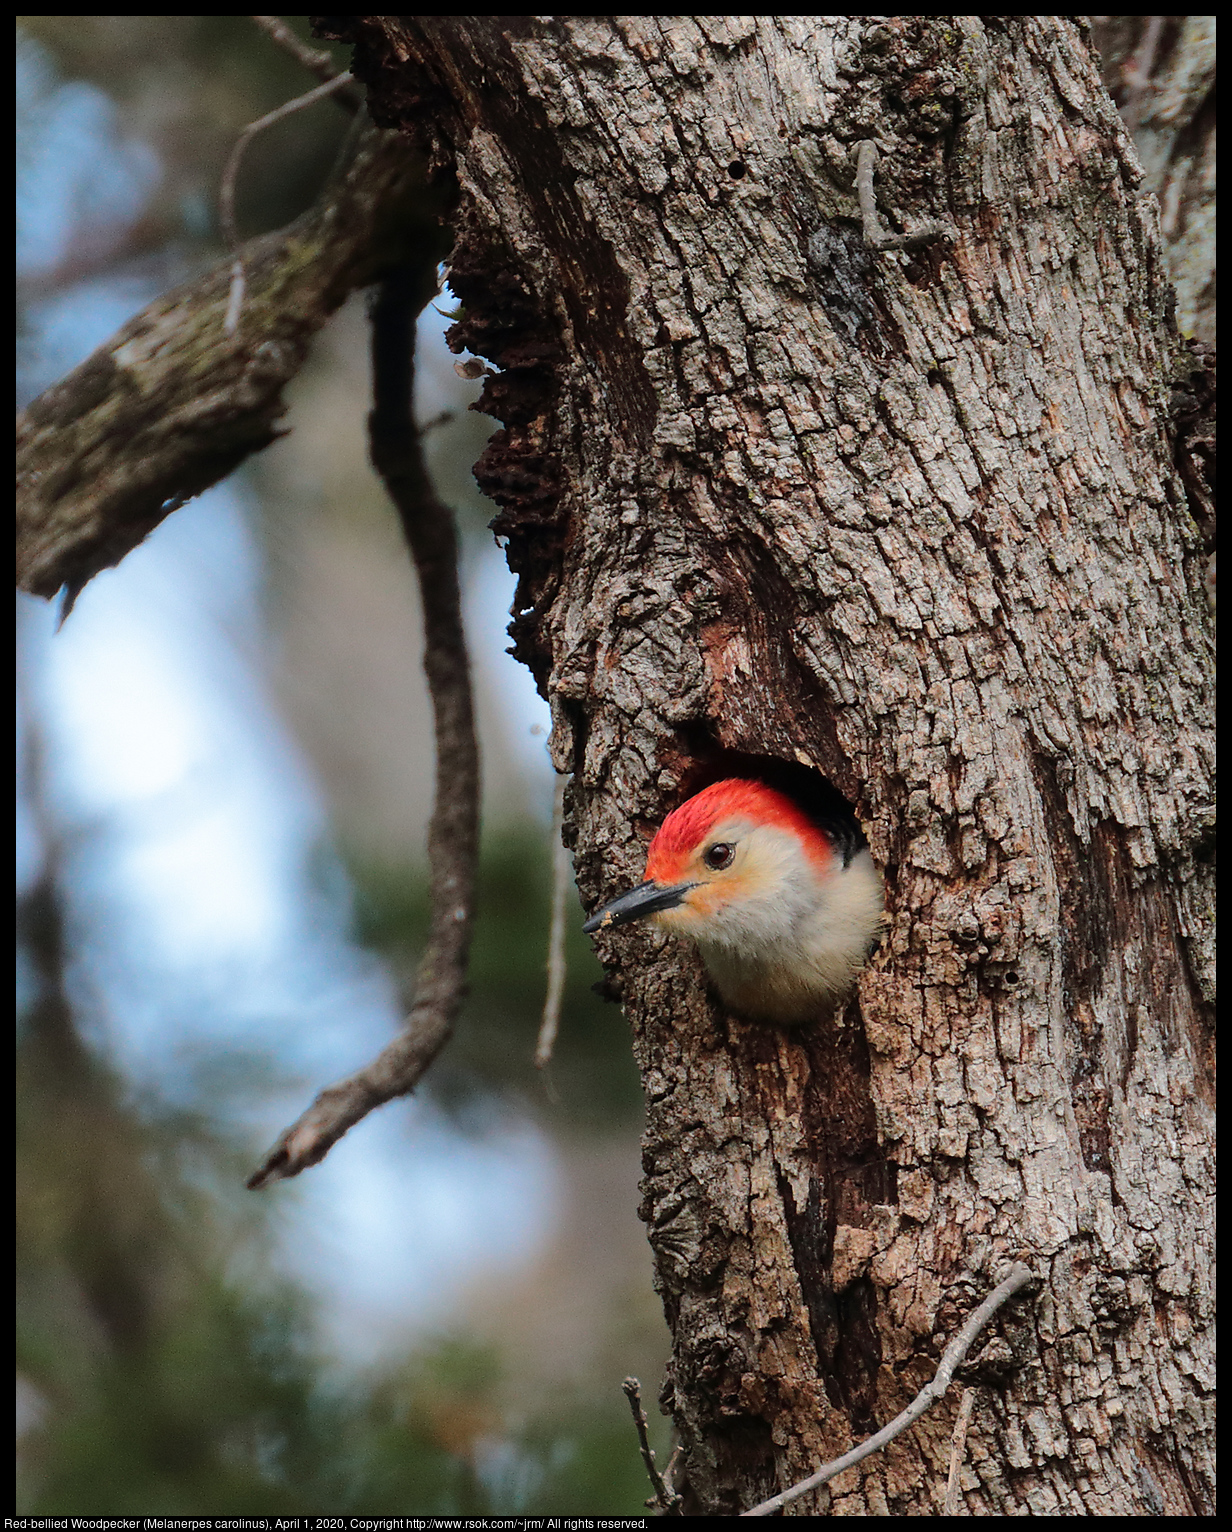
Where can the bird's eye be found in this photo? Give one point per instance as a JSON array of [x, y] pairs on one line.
[[719, 855]]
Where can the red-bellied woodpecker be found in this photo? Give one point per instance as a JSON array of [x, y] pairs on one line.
[[784, 908]]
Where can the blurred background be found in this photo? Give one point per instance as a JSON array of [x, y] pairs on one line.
[[224, 767]]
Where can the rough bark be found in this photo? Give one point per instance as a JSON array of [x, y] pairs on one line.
[[910, 519]]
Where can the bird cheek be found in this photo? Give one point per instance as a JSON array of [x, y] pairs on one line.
[[680, 921], [704, 905]]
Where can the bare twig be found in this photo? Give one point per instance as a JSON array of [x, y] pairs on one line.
[[876, 235], [932, 1391], [226, 188], [442, 418], [315, 60], [958, 1445], [665, 1498], [550, 1020], [453, 835]]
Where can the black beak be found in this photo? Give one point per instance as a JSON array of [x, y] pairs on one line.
[[636, 905]]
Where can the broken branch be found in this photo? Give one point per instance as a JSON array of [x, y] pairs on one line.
[[171, 404]]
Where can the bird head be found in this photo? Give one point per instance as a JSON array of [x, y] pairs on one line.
[[737, 865]]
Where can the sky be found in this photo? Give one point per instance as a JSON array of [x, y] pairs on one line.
[[212, 917]]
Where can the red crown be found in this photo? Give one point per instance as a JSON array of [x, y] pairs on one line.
[[685, 828]]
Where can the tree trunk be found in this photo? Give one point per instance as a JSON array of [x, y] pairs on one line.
[[909, 518]]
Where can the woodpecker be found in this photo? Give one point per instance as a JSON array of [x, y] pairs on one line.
[[784, 908]]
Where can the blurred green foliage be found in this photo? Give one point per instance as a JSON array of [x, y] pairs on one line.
[[592, 1081]]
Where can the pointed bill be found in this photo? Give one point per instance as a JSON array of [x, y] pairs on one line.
[[645, 899]]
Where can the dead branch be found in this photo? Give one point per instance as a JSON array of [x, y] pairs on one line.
[[932, 1391], [453, 835], [171, 403]]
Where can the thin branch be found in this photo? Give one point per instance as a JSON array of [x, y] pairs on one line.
[[453, 835], [550, 1021], [315, 60], [665, 1498], [958, 1445], [441, 419], [932, 1391], [876, 235], [226, 188]]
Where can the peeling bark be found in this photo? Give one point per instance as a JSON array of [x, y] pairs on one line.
[[910, 519]]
